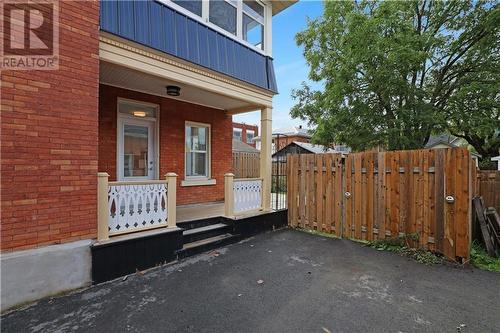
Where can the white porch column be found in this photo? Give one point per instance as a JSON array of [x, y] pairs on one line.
[[265, 156]]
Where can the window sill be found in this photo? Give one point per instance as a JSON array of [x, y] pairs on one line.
[[198, 182]]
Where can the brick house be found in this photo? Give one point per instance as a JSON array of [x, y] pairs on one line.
[[143, 89], [245, 133], [282, 137]]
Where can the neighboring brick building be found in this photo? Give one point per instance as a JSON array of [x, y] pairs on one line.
[[245, 133], [135, 101], [284, 136]]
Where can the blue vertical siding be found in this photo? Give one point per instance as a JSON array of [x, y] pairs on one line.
[[169, 33], [203, 46], [155, 25], [142, 22], [109, 16], [158, 35], [126, 27]]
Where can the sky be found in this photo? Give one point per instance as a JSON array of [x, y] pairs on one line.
[[289, 64]]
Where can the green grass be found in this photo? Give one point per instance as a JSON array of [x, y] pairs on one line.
[[318, 233], [480, 258], [399, 245]]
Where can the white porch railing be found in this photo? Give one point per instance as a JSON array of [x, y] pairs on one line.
[[242, 195], [125, 207]]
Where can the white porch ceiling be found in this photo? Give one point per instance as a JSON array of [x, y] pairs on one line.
[[126, 78]]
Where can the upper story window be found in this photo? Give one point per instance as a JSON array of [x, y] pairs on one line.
[[243, 19], [222, 13], [237, 134], [194, 6], [253, 23], [250, 136]]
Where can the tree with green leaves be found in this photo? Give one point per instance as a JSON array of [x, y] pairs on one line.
[[392, 73]]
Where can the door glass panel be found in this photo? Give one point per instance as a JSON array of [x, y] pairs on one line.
[[135, 151]]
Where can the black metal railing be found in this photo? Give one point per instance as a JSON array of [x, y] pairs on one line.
[[279, 183]]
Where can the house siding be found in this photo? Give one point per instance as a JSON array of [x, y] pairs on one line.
[[155, 25], [49, 140], [173, 115]]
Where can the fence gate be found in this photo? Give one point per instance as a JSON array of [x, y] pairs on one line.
[[423, 195], [279, 183]]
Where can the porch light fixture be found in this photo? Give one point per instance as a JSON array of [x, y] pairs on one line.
[[139, 113], [173, 90]]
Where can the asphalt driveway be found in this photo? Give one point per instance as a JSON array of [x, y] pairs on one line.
[[283, 281]]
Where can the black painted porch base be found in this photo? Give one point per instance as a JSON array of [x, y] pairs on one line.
[[114, 259]]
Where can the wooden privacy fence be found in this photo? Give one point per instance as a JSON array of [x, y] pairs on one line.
[[421, 195], [488, 186], [246, 165]]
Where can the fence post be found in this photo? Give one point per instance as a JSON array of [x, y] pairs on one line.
[[171, 199], [229, 195], [102, 206]]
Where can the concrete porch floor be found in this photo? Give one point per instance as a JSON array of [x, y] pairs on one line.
[[199, 211]]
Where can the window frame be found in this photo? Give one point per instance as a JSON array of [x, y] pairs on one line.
[[208, 152], [236, 129], [232, 4], [258, 20], [266, 44], [253, 135]]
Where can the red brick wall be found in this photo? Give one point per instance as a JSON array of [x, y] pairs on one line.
[[49, 140], [283, 141], [244, 128], [173, 115]]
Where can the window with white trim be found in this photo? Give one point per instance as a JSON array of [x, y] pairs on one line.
[[194, 6], [237, 134], [197, 151], [244, 19], [253, 23], [222, 13], [250, 136]]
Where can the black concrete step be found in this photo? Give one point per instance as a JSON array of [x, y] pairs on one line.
[[207, 244], [187, 225], [212, 230]]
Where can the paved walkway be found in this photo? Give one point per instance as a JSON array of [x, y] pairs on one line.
[[307, 284]]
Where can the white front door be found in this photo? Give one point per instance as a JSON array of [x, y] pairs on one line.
[[136, 149]]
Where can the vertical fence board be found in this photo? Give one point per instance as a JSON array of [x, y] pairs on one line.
[[418, 174], [462, 204], [302, 191], [406, 193], [339, 194], [449, 230], [329, 194], [381, 195], [319, 192], [370, 196], [348, 200], [439, 197]]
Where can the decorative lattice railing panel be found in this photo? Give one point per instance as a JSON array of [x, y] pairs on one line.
[[135, 207], [247, 195]]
